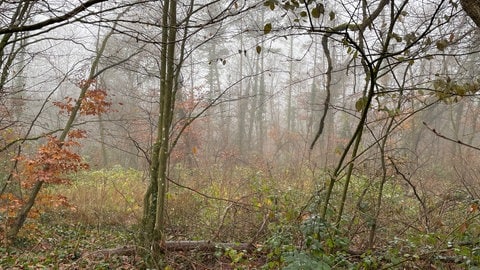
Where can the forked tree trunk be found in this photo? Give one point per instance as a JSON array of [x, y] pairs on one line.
[[153, 221]]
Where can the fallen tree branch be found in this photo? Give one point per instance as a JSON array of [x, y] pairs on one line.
[[205, 246], [444, 255], [172, 246], [105, 253]]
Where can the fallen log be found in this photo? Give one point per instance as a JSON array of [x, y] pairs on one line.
[[173, 246], [205, 246], [105, 253]]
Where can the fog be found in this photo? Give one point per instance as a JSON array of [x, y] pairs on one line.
[[367, 111]]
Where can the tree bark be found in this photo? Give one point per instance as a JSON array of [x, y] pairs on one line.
[[472, 8]]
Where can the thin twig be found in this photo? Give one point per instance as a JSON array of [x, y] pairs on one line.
[[210, 197], [450, 139]]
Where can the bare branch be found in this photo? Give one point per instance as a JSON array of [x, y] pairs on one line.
[[54, 20], [450, 139]]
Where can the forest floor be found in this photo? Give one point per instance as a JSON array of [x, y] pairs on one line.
[[66, 246], [97, 228], [69, 246]]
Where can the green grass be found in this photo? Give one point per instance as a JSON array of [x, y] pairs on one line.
[[104, 197]]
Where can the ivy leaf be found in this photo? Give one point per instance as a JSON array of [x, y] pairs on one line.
[[303, 14], [318, 10], [397, 37], [267, 28], [441, 44], [288, 6], [361, 103], [270, 4], [331, 15], [259, 49], [410, 38], [315, 13]]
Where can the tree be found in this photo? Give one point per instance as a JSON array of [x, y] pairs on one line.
[[54, 158], [385, 44], [154, 203], [173, 55], [472, 8]]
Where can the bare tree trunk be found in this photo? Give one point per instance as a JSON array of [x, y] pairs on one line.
[[19, 16]]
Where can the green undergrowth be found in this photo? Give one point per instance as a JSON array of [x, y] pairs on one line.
[[104, 197], [237, 205], [277, 210], [443, 236], [66, 246], [101, 211]]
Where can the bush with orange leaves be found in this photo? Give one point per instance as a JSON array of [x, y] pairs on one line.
[[52, 162]]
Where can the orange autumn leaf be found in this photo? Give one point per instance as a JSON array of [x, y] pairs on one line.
[[93, 103], [77, 134], [9, 204], [51, 163], [473, 207]]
